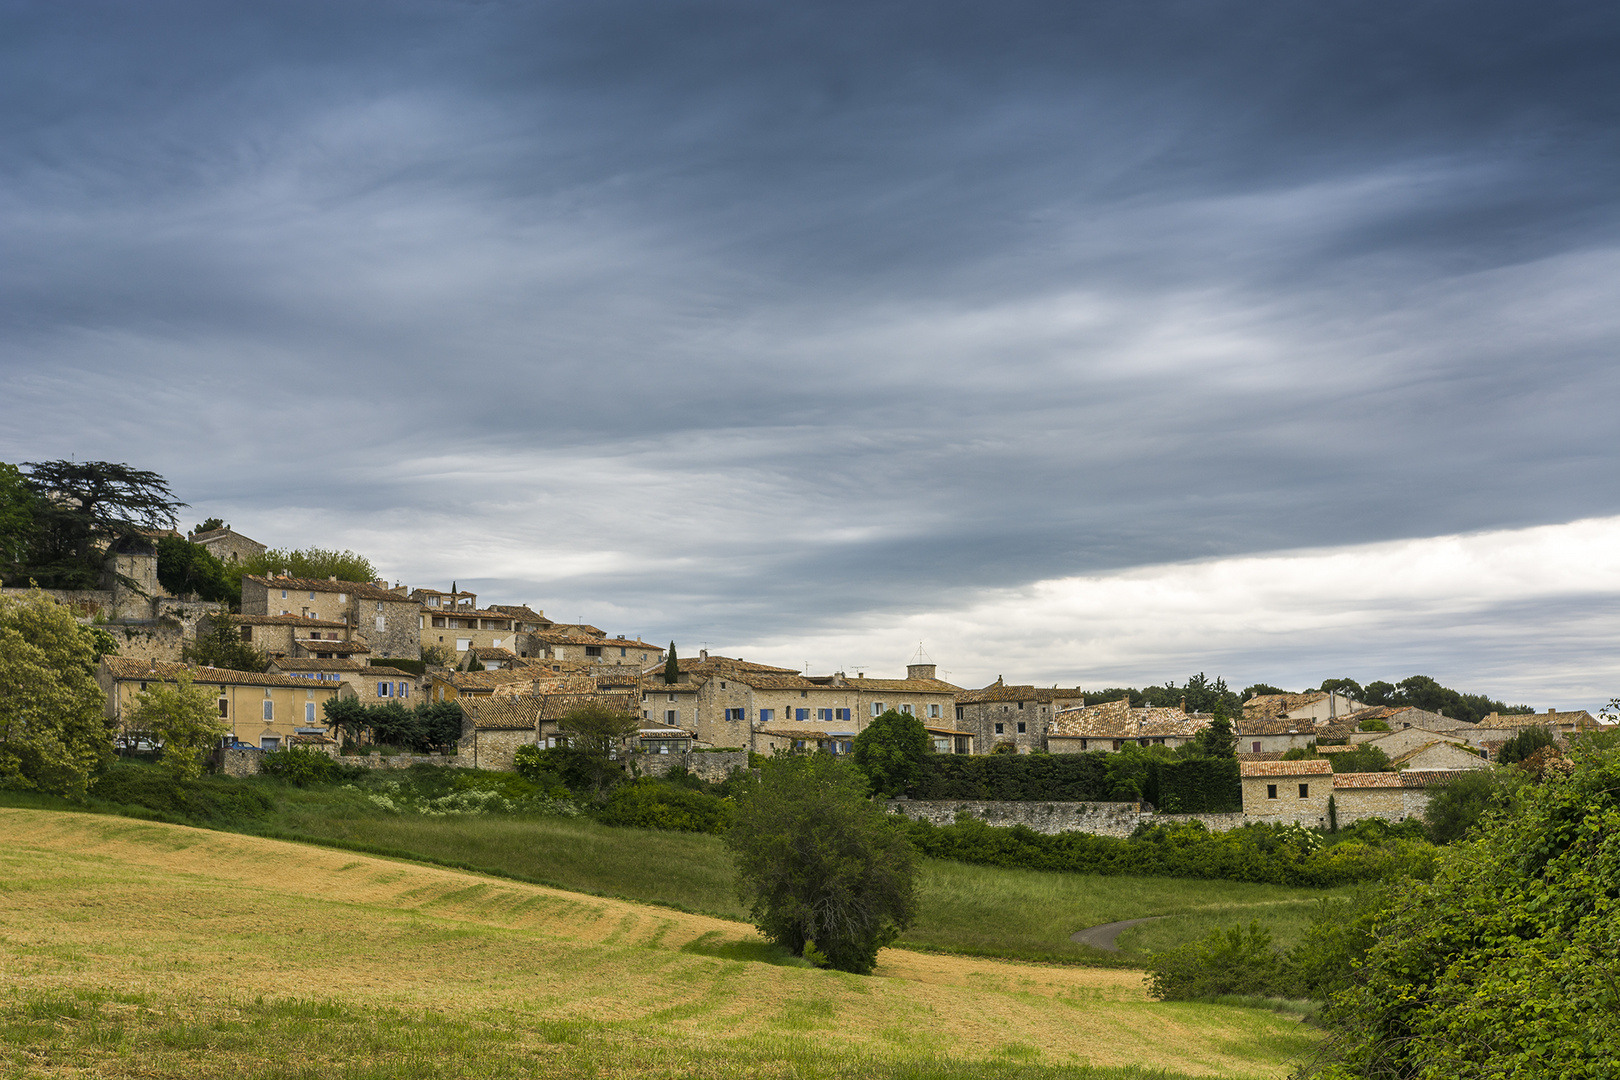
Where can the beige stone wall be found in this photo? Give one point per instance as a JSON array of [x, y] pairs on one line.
[[1288, 805], [982, 717], [244, 706], [161, 641], [404, 688], [1357, 804], [492, 749]]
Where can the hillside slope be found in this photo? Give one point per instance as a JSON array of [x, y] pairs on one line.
[[139, 948]]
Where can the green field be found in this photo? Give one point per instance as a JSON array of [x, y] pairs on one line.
[[139, 949]]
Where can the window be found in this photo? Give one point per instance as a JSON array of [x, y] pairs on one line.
[[309, 712], [766, 715], [961, 713], [269, 742], [312, 594], [379, 605], [877, 708], [737, 714], [404, 689], [1304, 791], [1020, 727], [1256, 747], [998, 729], [671, 716], [343, 598], [1082, 744], [672, 697], [247, 633], [224, 707], [465, 643], [801, 714], [622, 652], [824, 715], [382, 622], [382, 689], [1271, 791], [284, 596], [596, 650], [933, 712], [1020, 706], [842, 714], [804, 693], [269, 710]]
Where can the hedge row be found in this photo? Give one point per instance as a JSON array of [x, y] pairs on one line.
[[1265, 854], [1183, 786]]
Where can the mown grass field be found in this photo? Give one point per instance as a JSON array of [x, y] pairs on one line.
[[133, 948], [977, 910]]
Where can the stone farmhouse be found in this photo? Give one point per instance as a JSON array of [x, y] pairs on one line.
[[1019, 715], [227, 545], [494, 727], [389, 619], [1110, 725], [1286, 791], [1316, 706]]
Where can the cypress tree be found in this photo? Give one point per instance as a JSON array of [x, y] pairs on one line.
[[672, 667]]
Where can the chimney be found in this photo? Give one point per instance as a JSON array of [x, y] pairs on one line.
[[332, 578], [919, 671], [1551, 710], [703, 654]]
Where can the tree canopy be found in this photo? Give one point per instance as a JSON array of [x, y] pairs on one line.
[[73, 511], [53, 726], [222, 646], [890, 751], [184, 719], [823, 870]]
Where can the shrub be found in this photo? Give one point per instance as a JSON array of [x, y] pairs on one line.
[[653, 804], [1195, 786], [302, 766], [1458, 805], [890, 752], [211, 803], [1525, 743], [1231, 961]]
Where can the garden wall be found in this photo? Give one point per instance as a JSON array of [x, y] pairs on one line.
[[1099, 818], [713, 767]]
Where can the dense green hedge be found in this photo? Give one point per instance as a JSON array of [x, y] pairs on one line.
[[205, 802], [1195, 786], [652, 804], [1015, 777], [1268, 854]]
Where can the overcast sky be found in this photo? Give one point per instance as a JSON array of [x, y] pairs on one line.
[[1100, 342]]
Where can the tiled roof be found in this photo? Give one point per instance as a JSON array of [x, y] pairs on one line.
[[1268, 706], [1261, 755], [1312, 767], [486, 653], [485, 680], [1335, 729], [905, 686], [285, 620], [1117, 720], [389, 672], [798, 733], [946, 731], [707, 666], [1368, 780], [521, 612], [1513, 721], [465, 613], [1429, 777], [322, 645], [518, 713], [763, 680], [659, 686], [308, 663], [128, 668], [998, 691], [360, 589], [1337, 749]]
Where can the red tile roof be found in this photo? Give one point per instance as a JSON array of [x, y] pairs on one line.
[[1310, 767]]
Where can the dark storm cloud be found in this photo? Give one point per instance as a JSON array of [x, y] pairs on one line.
[[845, 306]]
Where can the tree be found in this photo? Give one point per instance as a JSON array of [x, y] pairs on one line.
[[890, 752], [17, 528], [209, 525], [1458, 805], [182, 717], [1525, 743], [188, 569], [822, 869], [222, 647], [1504, 964], [1218, 739], [1348, 687], [316, 563], [83, 506], [595, 731], [53, 725], [1261, 689], [672, 666]]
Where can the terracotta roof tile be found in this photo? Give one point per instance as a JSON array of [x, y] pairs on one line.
[[285, 620], [1117, 720], [359, 589], [128, 668], [1001, 692], [1312, 767]]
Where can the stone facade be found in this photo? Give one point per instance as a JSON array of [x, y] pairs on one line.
[[265, 710], [1281, 792], [1102, 819], [1020, 715], [713, 767], [227, 545], [386, 618]]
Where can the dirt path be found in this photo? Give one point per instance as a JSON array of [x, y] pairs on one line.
[[1106, 936]]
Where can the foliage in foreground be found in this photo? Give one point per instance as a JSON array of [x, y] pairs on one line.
[[654, 804], [53, 728], [1505, 963], [428, 727], [1265, 854], [822, 870], [891, 751], [182, 717]]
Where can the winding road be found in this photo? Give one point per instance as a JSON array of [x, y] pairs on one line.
[[1106, 936]]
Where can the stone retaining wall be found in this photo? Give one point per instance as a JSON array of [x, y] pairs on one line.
[[713, 767], [1102, 819], [399, 761]]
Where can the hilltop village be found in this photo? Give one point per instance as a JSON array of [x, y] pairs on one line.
[[515, 673]]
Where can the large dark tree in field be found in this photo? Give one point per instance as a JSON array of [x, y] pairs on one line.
[[82, 506], [891, 750], [818, 863]]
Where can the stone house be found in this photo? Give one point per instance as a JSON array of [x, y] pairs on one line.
[[389, 619], [494, 727], [1391, 796], [1110, 725], [334, 671], [263, 709], [278, 635], [370, 684], [1497, 728], [1438, 754], [573, 644], [1316, 706], [227, 545], [1256, 736], [454, 685], [489, 658], [673, 705], [1395, 743], [1286, 791], [1019, 715], [463, 628], [1400, 717], [949, 740]]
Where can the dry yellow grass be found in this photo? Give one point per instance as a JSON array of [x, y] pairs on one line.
[[203, 921]]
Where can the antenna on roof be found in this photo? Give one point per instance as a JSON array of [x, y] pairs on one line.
[[921, 657]]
